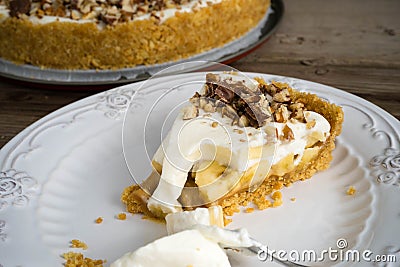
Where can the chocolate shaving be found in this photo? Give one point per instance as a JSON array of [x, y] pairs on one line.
[[19, 7], [224, 94]]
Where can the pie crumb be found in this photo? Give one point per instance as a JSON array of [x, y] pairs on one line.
[[351, 191], [77, 259], [75, 243], [249, 210], [121, 216]]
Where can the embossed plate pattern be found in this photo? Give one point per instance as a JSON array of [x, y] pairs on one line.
[[61, 173]]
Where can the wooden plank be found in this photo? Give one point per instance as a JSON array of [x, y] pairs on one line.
[[353, 45], [357, 32], [20, 106]]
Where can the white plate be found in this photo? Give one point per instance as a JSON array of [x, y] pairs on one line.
[[67, 169]]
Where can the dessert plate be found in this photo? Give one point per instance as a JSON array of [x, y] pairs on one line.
[[64, 171], [226, 54]]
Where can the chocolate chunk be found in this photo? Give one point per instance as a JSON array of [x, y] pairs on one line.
[[19, 7], [252, 99], [225, 94]]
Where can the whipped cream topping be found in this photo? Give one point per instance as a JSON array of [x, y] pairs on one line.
[[211, 137], [194, 240], [186, 248], [239, 238], [163, 15], [179, 221]]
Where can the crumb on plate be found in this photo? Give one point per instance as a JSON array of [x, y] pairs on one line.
[[75, 243], [249, 210], [78, 260], [121, 216], [351, 191]]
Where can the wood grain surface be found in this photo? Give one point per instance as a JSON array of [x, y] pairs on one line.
[[353, 45]]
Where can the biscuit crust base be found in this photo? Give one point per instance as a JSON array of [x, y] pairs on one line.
[[68, 45], [319, 162]]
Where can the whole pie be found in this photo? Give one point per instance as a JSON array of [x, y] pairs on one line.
[[238, 141], [114, 34]]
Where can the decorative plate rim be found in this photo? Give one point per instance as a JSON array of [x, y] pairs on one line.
[[110, 106]]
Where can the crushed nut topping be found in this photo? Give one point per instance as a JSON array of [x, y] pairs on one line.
[[247, 105], [110, 12]]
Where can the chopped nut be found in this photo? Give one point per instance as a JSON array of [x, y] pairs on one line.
[[243, 121], [230, 112], [214, 124], [282, 114], [282, 96], [296, 106], [91, 15], [99, 220], [76, 15], [111, 15], [287, 133], [209, 108], [190, 112], [128, 6], [203, 101]]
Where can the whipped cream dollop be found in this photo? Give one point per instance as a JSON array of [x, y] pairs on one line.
[[209, 222], [179, 221], [183, 249], [194, 240], [210, 137]]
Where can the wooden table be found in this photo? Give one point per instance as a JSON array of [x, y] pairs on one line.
[[353, 45]]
